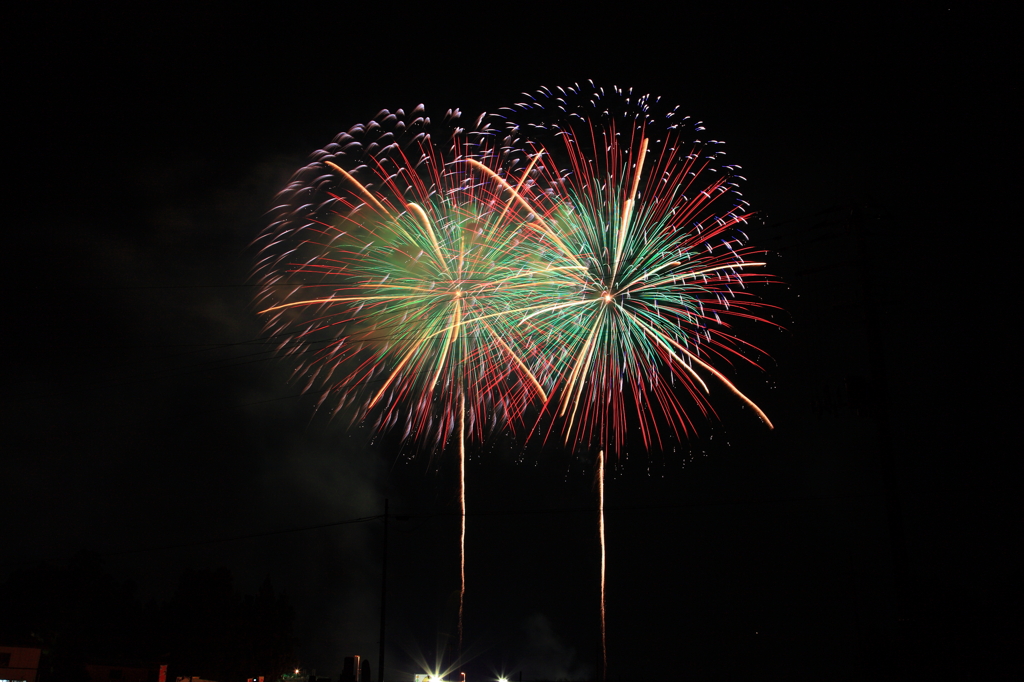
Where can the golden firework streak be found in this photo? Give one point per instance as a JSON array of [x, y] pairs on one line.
[[449, 339], [362, 190], [421, 215], [525, 204], [657, 337], [576, 376], [462, 508], [315, 301], [518, 361], [709, 368], [627, 208], [394, 374], [515, 193]]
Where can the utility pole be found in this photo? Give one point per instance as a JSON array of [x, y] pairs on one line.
[[383, 594], [879, 380]]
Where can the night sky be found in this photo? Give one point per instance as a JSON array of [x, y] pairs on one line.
[[876, 529]]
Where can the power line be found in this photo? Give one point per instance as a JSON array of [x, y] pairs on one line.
[[248, 536], [502, 512]]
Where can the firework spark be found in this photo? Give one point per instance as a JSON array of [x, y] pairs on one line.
[[647, 271], [391, 266]]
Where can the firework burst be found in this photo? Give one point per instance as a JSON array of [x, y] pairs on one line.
[[390, 268], [646, 267]]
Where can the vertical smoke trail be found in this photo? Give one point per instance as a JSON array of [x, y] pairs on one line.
[[462, 511], [600, 507]]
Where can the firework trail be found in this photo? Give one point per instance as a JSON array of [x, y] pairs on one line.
[[647, 268], [600, 508], [390, 267]]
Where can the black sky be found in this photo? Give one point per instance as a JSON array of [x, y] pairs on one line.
[[142, 411]]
